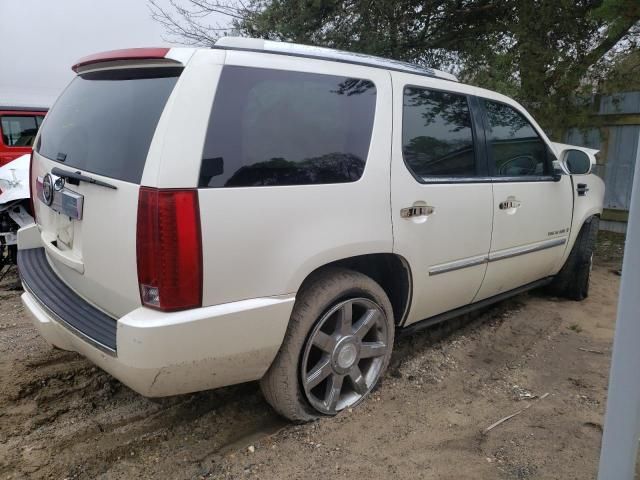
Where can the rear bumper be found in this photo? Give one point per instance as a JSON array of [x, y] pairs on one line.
[[159, 354]]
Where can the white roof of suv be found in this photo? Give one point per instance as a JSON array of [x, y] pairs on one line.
[[296, 49]]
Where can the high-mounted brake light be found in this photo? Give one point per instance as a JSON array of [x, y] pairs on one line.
[[169, 249], [126, 54]]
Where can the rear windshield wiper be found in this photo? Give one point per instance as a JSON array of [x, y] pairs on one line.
[[69, 175]]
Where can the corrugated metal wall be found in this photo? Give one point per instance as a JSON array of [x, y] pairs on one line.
[[619, 146], [626, 102], [622, 153]]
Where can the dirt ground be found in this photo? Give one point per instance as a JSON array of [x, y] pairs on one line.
[[61, 417]]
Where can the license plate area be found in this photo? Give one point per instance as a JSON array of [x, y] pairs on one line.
[[59, 198]]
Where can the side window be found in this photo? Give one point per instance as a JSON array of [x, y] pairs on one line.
[[275, 127], [18, 131], [437, 138], [516, 148]]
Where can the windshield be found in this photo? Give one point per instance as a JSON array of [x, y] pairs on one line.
[[104, 121]]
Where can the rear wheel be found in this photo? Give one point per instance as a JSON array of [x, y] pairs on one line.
[[336, 348], [572, 281]]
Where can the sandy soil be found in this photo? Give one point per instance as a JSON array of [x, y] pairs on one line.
[[60, 417]]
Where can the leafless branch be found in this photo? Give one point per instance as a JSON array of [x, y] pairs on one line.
[[190, 21]]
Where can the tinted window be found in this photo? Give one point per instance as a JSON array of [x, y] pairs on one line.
[[104, 121], [516, 148], [271, 127], [19, 130], [437, 138]]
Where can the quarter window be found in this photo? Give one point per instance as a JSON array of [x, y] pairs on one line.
[[19, 130], [275, 127], [516, 148], [437, 138]]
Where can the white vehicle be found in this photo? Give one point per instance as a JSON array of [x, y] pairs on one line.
[[275, 212], [14, 208]]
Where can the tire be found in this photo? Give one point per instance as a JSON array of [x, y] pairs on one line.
[[321, 306], [572, 281]]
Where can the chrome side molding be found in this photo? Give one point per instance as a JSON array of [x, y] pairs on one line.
[[458, 265], [495, 256], [514, 252]]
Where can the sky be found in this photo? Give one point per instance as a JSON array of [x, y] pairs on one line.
[[42, 39]]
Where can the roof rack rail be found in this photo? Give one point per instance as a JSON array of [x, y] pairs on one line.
[[308, 51]]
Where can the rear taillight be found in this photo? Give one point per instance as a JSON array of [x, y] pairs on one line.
[[169, 249], [31, 197]]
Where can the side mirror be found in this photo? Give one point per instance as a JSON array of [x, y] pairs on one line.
[[576, 162]]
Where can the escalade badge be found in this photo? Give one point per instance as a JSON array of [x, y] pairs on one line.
[[47, 189]]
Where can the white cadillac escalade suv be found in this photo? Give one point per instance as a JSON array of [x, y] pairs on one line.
[[274, 212]]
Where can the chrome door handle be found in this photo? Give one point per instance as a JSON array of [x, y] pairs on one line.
[[509, 204], [417, 211], [582, 189]]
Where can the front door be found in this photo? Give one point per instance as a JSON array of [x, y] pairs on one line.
[[531, 210], [441, 200]]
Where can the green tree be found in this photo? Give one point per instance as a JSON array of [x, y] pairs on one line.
[[551, 53], [545, 53]]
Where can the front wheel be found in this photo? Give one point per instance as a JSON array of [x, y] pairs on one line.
[[572, 281], [336, 348]]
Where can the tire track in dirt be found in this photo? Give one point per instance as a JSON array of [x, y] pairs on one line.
[[62, 417], [63, 404]]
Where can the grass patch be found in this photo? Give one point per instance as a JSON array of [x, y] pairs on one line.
[[575, 327]]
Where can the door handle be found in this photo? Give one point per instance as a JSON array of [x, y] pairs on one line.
[[417, 211], [509, 204], [582, 189]]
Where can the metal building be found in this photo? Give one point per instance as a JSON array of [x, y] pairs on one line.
[[617, 136]]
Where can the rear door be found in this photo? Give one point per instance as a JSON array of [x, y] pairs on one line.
[[101, 127], [441, 196], [531, 209]]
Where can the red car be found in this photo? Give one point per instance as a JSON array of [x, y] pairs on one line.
[[18, 128]]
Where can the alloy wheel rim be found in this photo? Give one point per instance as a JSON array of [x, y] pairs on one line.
[[344, 355]]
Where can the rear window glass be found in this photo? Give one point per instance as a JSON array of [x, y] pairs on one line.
[[104, 121], [274, 127], [19, 130]]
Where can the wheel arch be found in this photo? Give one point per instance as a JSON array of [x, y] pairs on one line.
[[584, 209], [576, 227], [391, 271]]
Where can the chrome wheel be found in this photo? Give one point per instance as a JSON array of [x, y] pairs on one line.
[[344, 355]]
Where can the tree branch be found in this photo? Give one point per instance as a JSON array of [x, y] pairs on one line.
[[186, 22]]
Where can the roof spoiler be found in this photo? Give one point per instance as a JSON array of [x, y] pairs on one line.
[[125, 54]]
